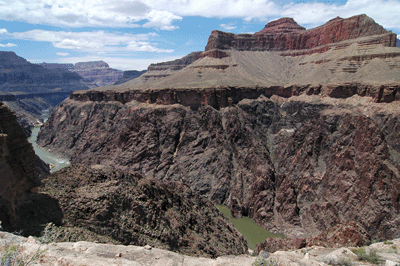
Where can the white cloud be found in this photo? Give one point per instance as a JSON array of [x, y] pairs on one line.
[[3, 31], [161, 19], [94, 42], [162, 14], [229, 26], [384, 12], [7, 45], [121, 63], [62, 54], [89, 13]]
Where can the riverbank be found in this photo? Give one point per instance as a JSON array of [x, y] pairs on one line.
[[55, 161]]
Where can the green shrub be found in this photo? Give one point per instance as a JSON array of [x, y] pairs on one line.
[[371, 257]]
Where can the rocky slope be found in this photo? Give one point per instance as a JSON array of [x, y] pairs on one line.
[[124, 207], [297, 140]]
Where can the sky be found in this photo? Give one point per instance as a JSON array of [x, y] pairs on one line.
[[131, 34]]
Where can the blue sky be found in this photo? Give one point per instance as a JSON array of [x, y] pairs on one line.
[[131, 34]]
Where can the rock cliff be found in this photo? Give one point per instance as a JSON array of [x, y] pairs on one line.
[[285, 34], [18, 174], [123, 207], [298, 140], [297, 165]]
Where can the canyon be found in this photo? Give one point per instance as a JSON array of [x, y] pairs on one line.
[[297, 129], [105, 205]]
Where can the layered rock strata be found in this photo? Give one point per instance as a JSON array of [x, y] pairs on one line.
[[285, 34]]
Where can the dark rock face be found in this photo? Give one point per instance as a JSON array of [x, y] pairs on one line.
[[299, 167], [17, 168], [285, 34], [134, 210]]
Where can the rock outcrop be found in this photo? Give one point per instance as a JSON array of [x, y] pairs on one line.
[[88, 253], [285, 34], [129, 209], [18, 174]]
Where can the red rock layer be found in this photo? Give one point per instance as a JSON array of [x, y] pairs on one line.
[[284, 34]]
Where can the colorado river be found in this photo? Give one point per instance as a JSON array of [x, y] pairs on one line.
[[54, 160]]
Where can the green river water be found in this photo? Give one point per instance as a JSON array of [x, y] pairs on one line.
[[55, 161], [251, 231]]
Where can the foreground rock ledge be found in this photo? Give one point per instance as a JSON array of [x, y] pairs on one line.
[[87, 253]]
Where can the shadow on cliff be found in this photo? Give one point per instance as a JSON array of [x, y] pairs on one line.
[[33, 212]]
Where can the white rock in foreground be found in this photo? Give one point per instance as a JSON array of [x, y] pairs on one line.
[[87, 253]]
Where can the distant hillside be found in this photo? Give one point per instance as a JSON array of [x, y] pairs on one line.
[[128, 75], [30, 88]]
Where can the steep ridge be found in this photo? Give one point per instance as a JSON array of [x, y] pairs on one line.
[[320, 151]]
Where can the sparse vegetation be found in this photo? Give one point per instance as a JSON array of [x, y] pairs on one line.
[[50, 234], [266, 262], [340, 262], [371, 256], [11, 252], [11, 256]]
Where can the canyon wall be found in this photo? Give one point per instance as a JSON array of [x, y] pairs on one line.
[[18, 174], [294, 166]]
